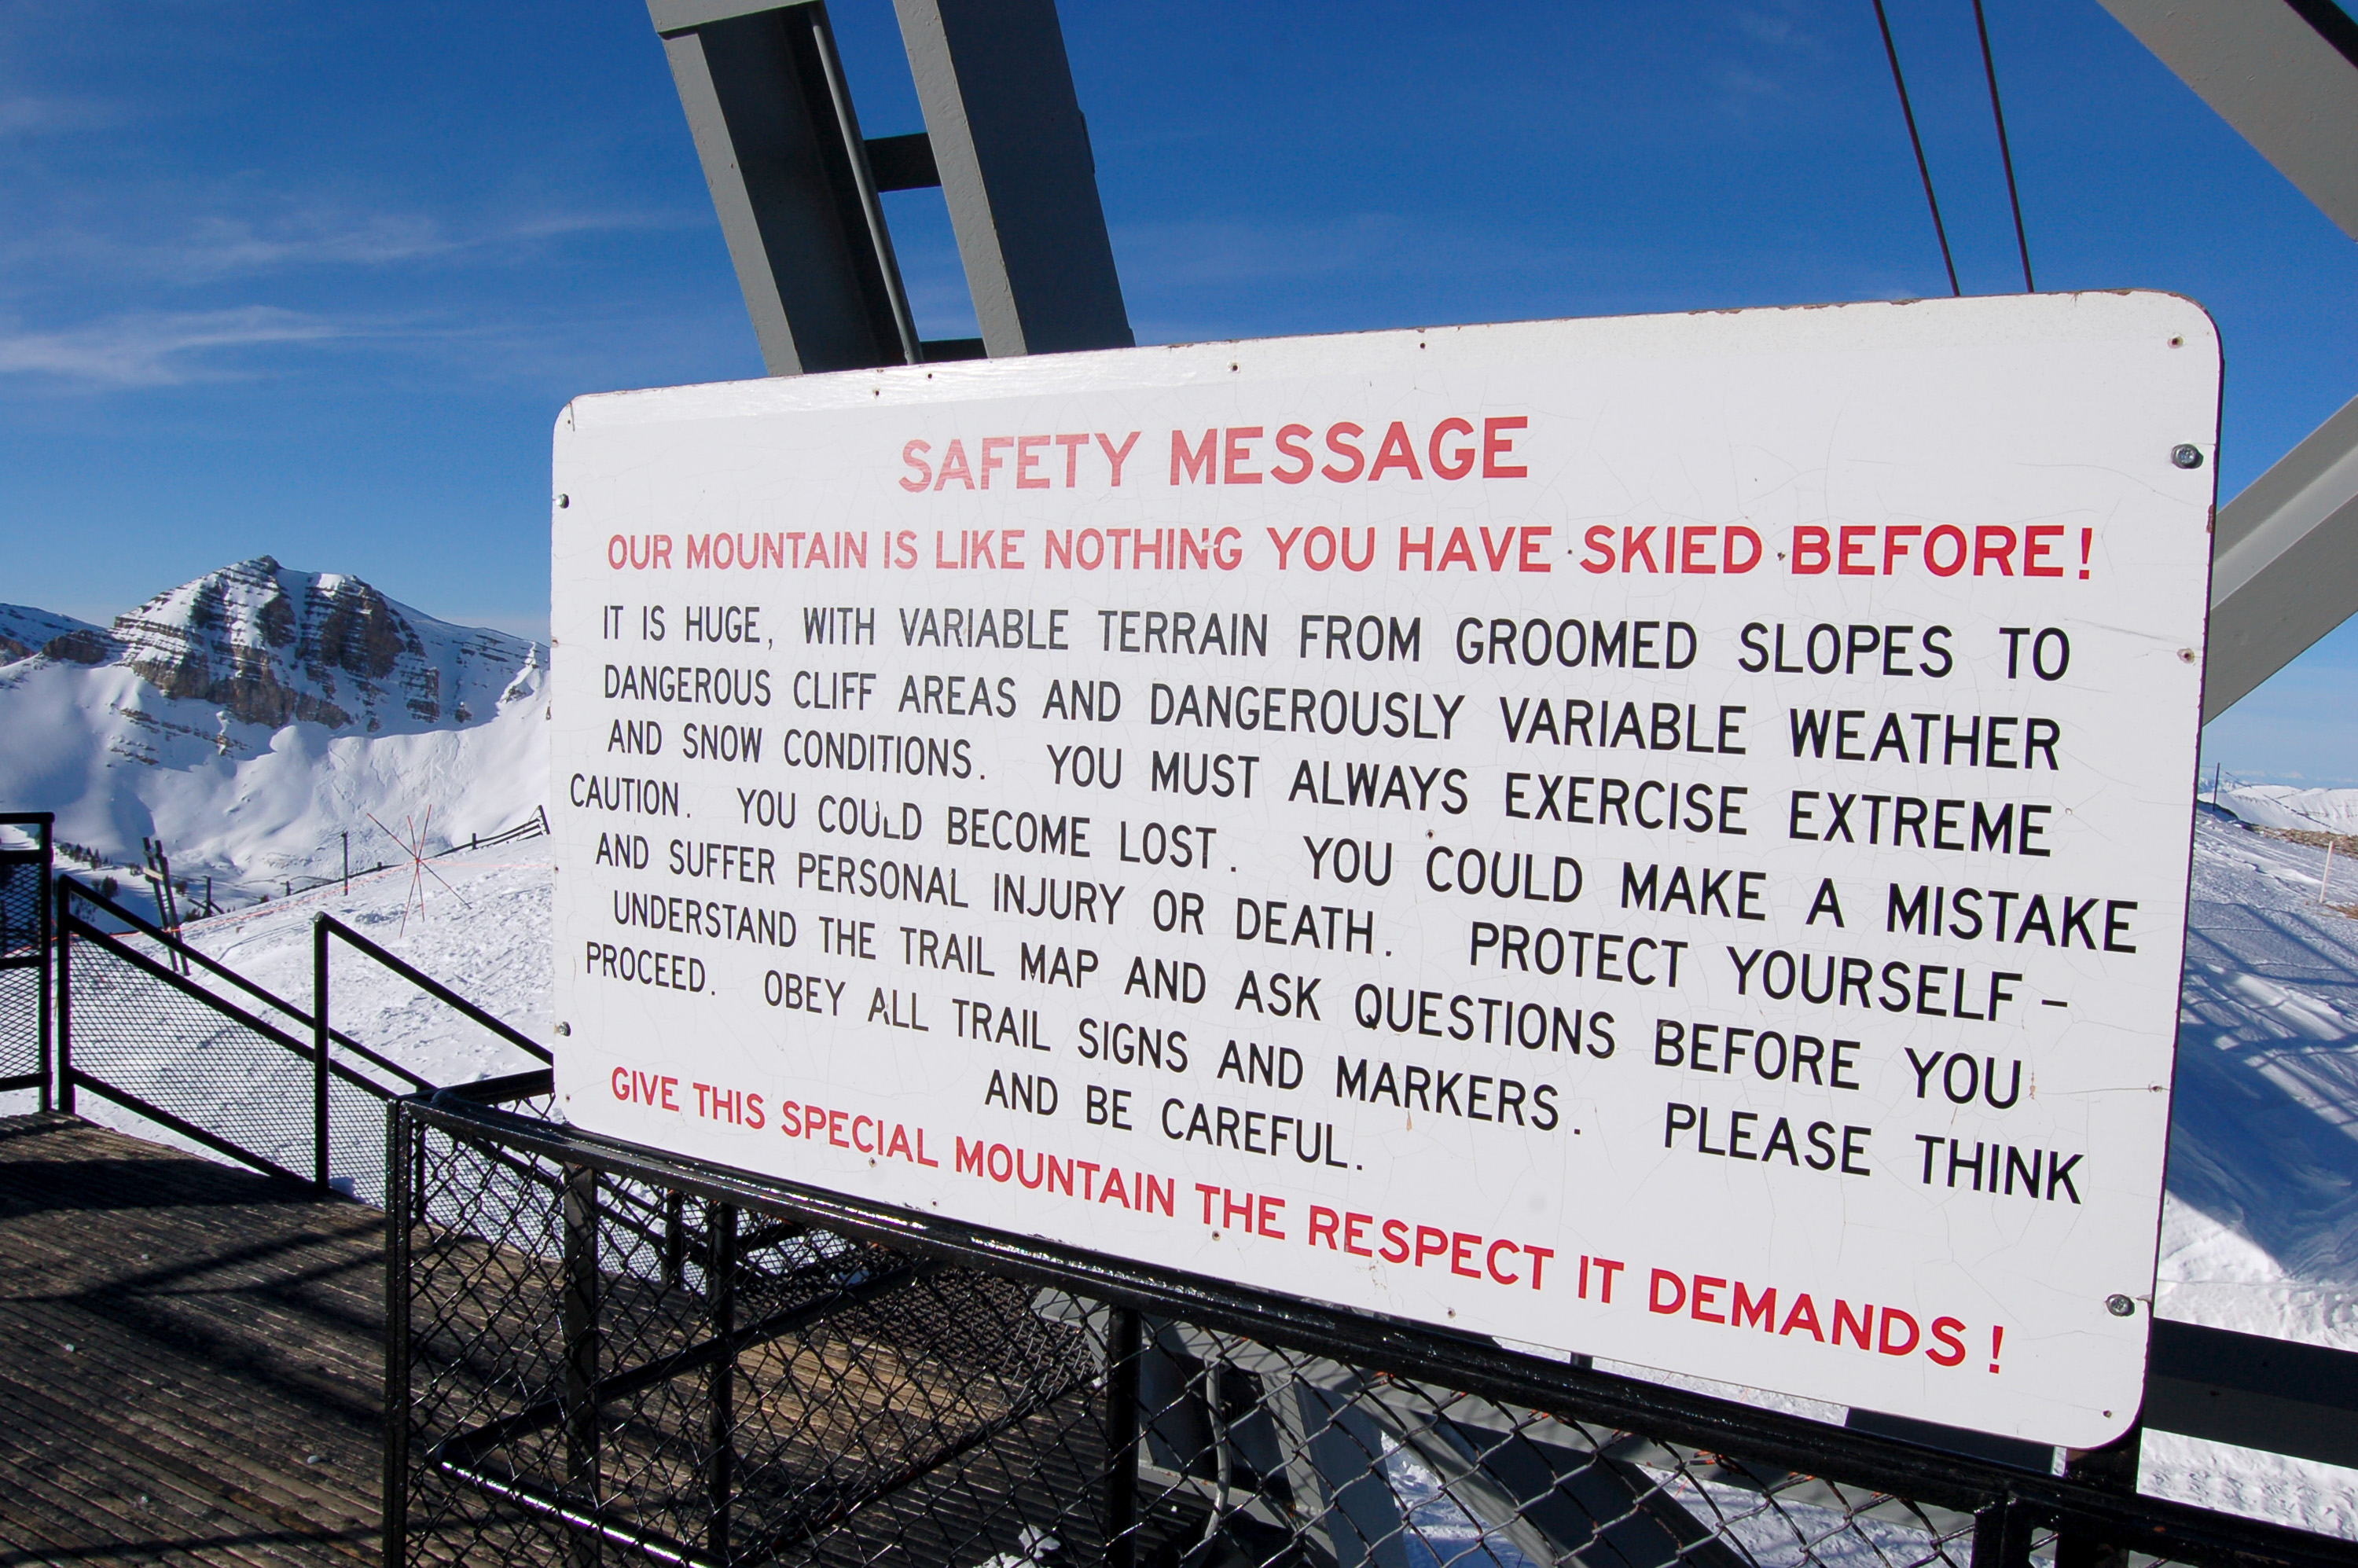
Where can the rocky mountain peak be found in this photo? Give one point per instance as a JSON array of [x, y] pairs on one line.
[[274, 646]]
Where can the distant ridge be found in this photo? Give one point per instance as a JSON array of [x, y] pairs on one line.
[[25, 630]]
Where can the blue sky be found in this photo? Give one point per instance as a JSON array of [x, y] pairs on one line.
[[314, 280]]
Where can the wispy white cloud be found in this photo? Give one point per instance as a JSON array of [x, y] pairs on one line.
[[557, 225], [31, 114], [1740, 82], [1767, 28], [1781, 45], [219, 246], [210, 246], [155, 348]]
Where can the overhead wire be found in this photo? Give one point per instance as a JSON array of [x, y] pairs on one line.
[[1891, 51], [2006, 152]]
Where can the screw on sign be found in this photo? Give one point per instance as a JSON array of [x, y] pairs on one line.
[[1784, 748]]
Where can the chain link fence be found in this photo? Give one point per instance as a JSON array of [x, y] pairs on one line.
[[26, 846], [213, 1061], [598, 1354], [181, 1056]]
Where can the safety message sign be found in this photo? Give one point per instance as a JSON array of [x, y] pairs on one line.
[[1659, 838]]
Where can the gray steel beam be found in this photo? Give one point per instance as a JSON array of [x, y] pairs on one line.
[[774, 129], [2284, 563], [2283, 72], [1013, 154], [2254, 1391]]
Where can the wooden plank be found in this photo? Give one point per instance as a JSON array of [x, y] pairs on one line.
[[226, 1328]]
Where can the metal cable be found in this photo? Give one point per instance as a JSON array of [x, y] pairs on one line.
[[1891, 51], [2005, 151]]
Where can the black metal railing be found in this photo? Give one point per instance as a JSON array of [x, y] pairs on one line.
[[532, 1083], [151, 1024], [799, 1376], [595, 1350], [26, 1000]]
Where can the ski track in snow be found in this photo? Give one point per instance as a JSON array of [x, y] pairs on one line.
[[2259, 1227]]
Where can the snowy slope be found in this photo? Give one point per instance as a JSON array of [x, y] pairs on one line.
[[2284, 806], [252, 717], [2260, 1229], [2263, 1152], [478, 921]]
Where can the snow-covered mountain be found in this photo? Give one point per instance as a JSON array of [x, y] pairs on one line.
[[251, 717], [2290, 806]]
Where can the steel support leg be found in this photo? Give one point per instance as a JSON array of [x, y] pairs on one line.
[[1121, 1439], [65, 1000], [578, 1321], [2115, 1467], [2002, 1535], [720, 1379], [1335, 1461], [675, 1241], [399, 1133]]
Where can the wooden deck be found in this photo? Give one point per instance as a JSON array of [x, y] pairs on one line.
[[192, 1362], [191, 1358]]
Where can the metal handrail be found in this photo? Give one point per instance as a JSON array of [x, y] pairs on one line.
[[326, 925], [319, 1050], [183, 948]]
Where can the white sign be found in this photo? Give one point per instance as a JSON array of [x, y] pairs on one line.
[[1659, 838]]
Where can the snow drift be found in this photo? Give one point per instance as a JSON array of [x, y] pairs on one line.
[[2288, 806]]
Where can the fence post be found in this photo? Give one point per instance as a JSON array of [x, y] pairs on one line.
[[720, 1298], [45, 920], [578, 1321], [398, 1133], [65, 997], [319, 1054], [2002, 1535], [674, 1240], [1123, 1340], [2113, 1467]]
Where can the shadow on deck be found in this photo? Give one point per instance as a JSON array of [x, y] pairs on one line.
[[191, 1358]]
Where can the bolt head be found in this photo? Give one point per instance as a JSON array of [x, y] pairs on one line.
[[2186, 455], [2120, 1306]]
